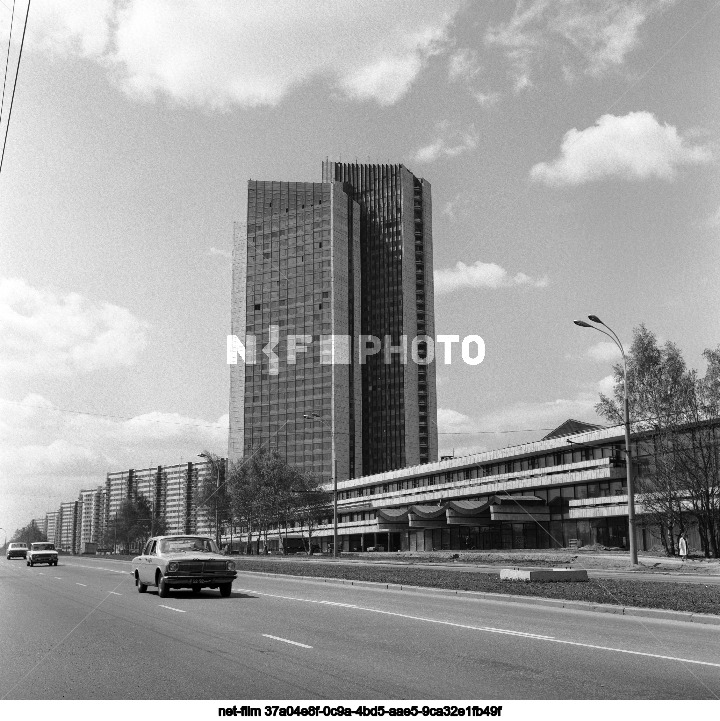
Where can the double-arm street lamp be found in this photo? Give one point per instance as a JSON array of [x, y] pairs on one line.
[[628, 454], [313, 416]]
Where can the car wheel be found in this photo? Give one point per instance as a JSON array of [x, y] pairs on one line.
[[196, 589], [26, 562], [225, 589], [162, 586], [142, 587], [31, 563]]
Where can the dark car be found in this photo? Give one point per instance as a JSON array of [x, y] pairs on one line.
[[183, 561], [16, 550]]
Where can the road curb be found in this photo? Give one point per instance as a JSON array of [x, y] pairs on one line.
[[636, 611]]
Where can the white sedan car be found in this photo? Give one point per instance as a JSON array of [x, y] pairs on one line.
[[183, 561]]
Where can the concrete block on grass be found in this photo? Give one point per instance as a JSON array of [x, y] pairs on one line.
[[544, 575]]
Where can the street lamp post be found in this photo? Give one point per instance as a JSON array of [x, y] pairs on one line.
[[317, 416], [628, 453], [217, 489]]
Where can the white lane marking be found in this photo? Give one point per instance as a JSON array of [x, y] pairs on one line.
[[40, 573], [287, 640], [80, 584], [115, 593], [57, 578], [96, 568], [488, 629], [550, 639], [169, 607]]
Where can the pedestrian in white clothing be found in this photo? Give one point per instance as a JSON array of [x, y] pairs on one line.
[[682, 547]]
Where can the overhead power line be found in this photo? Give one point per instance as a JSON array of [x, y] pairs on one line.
[[7, 62], [12, 97]]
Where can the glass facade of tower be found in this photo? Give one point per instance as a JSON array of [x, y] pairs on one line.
[[399, 397], [349, 257], [298, 262]]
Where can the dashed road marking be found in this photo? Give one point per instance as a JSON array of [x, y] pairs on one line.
[[179, 610], [80, 584], [487, 629], [57, 578], [115, 593], [287, 640]]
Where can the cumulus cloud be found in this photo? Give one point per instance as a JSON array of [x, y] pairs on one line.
[[442, 148], [528, 420], [253, 53], [635, 145], [464, 64], [714, 220], [589, 36], [38, 437], [47, 455], [47, 334], [486, 99], [80, 27], [481, 275], [459, 205], [606, 386], [220, 252], [604, 352]]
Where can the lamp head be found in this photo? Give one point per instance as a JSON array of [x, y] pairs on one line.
[[595, 319], [582, 324]]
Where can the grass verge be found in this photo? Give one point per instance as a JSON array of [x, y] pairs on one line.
[[692, 598]]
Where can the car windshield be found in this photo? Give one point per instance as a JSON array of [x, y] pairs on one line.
[[43, 547], [187, 544], [18, 545]]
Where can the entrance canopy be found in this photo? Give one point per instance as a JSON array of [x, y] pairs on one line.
[[464, 513]]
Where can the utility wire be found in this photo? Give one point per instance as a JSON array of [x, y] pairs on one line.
[[12, 98], [56, 409], [7, 61], [662, 57]]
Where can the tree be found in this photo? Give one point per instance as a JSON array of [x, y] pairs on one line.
[[28, 534], [133, 524], [312, 504], [678, 455], [261, 487], [213, 494]]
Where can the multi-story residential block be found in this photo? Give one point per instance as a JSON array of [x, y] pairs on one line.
[[119, 487], [92, 512], [52, 527], [40, 524], [171, 493], [69, 522]]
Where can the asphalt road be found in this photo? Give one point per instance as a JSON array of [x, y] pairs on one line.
[[81, 631]]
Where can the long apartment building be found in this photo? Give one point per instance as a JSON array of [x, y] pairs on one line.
[[92, 516], [568, 487], [171, 492], [52, 527], [69, 527]]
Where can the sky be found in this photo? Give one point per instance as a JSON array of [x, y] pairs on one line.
[[572, 147]]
